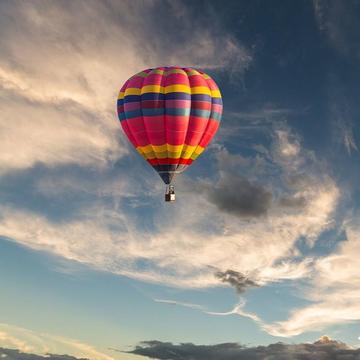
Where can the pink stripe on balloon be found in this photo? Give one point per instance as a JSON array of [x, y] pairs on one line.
[[157, 138], [217, 107], [129, 106], [136, 124], [176, 78], [171, 104], [141, 138], [153, 79], [135, 82], [197, 80], [197, 124], [175, 137], [176, 123], [128, 133], [211, 84], [154, 123], [123, 88], [193, 138], [209, 133]]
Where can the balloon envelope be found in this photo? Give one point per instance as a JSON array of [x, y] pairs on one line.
[[170, 115]]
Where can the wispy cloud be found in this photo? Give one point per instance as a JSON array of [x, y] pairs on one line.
[[26, 341], [67, 86], [179, 303], [337, 20], [334, 293], [59, 76], [186, 253], [189, 255]]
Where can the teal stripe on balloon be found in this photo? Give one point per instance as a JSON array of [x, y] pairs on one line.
[[122, 116], [178, 111], [153, 112], [170, 111], [133, 114], [201, 113], [215, 116]]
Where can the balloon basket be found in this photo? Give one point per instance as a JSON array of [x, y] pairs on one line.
[[170, 193]]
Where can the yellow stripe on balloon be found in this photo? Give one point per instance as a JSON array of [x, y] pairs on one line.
[[148, 148], [200, 90], [177, 88], [164, 147], [216, 93], [132, 91], [121, 95], [199, 149], [170, 89], [175, 148], [152, 89], [170, 151]]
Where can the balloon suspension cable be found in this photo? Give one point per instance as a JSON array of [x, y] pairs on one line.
[[170, 193]]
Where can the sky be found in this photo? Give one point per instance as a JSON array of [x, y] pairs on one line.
[[262, 243]]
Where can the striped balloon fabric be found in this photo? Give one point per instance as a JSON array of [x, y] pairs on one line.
[[170, 114]]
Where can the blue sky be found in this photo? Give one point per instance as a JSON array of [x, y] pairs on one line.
[[262, 243]]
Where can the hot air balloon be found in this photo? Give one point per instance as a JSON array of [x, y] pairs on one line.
[[170, 114]]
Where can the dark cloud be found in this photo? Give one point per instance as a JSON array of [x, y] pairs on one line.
[[237, 195], [13, 354], [292, 202], [324, 349], [236, 279]]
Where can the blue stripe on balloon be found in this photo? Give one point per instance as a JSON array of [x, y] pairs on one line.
[[131, 98], [217, 101], [153, 111], [201, 97], [152, 96], [172, 96]]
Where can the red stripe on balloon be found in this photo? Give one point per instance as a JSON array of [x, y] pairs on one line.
[[151, 104], [169, 161]]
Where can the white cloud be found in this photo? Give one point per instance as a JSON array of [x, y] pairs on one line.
[[237, 310], [178, 303], [186, 245], [60, 75], [334, 292], [27, 340], [53, 134]]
